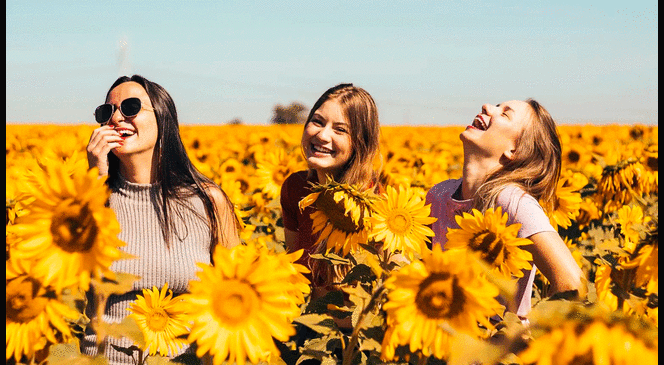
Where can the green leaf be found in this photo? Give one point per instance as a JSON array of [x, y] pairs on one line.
[[369, 248], [186, 359], [332, 258], [329, 360], [70, 354], [127, 328], [320, 305], [466, 349], [319, 348], [321, 323], [361, 273], [129, 351], [121, 285]]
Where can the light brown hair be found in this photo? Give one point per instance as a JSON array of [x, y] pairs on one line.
[[360, 110]]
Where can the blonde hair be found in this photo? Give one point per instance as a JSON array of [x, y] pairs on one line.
[[360, 110], [535, 166]]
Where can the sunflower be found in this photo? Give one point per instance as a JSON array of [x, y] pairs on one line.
[[341, 215], [496, 242], [273, 168], [588, 211], [443, 290], [628, 217], [620, 183], [68, 223], [646, 263], [34, 315], [603, 283], [239, 306], [400, 221], [162, 319], [567, 202], [590, 335]]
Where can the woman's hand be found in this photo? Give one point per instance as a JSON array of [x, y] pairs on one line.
[[102, 141]]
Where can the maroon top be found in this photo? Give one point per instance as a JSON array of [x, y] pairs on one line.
[[295, 188]]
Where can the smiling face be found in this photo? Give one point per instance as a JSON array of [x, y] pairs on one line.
[[326, 139], [494, 132], [139, 132]]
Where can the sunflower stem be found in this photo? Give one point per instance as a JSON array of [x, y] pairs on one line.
[[101, 333], [349, 352]]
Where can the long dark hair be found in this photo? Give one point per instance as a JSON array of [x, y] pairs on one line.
[[176, 175]]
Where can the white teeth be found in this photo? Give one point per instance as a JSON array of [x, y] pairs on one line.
[[479, 124], [320, 149], [126, 133]]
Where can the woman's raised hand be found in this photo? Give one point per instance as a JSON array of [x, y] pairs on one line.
[[102, 141]]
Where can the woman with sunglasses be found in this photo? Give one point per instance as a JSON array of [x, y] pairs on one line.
[[171, 216]]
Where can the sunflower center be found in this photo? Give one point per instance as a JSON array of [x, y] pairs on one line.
[[73, 227], [574, 156], [439, 296], [236, 302], [399, 221], [22, 303], [279, 175], [158, 320], [336, 213], [489, 245]]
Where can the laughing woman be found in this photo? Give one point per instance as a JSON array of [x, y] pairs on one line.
[[341, 139], [171, 216], [512, 160]]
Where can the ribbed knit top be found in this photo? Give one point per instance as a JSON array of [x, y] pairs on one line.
[[136, 209]]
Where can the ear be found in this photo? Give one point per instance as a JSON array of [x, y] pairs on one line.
[[509, 154]]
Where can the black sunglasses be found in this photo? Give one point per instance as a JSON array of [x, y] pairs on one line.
[[129, 108]]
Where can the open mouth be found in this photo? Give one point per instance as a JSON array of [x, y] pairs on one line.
[[321, 150], [479, 123], [125, 133]]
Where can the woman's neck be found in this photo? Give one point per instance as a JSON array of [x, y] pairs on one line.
[[139, 169], [475, 172]]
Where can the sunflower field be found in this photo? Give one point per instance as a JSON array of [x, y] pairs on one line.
[[398, 302]]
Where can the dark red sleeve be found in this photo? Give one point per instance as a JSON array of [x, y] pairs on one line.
[[290, 197]]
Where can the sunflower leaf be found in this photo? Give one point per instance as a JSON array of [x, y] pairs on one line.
[[321, 323], [332, 258], [121, 285], [127, 328], [69, 353], [361, 273], [129, 351]]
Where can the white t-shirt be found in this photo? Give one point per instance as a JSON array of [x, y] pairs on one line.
[[520, 208]]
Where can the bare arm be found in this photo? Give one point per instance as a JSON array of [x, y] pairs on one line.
[[555, 261], [226, 221], [291, 239]]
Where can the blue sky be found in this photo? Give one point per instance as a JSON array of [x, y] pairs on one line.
[[424, 62]]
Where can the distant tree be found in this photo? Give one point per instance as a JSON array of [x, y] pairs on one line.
[[294, 113], [235, 121]]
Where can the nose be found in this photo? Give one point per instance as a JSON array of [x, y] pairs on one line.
[[324, 134], [487, 109], [116, 117]]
